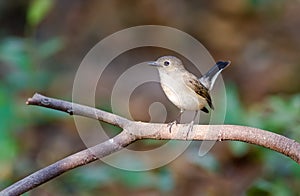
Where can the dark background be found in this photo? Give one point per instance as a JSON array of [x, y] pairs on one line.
[[43, 42]]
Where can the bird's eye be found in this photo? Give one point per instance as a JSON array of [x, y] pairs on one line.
[[166, 63]]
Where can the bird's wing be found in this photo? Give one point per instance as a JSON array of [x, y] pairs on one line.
[[192, 82]]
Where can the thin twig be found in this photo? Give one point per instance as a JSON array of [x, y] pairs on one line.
[[77, 109], [133, 131]]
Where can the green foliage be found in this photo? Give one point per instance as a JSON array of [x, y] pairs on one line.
[[263, 187], [93, 177], [21, 73], [236, 114], [22, 58], [208, 162], [37, 11], [276, 114]]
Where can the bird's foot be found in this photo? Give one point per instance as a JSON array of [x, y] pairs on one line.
[[171, 124], [190, 128]]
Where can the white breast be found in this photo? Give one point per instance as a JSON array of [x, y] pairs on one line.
[[180, 94]]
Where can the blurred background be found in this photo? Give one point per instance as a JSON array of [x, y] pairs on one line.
[[42, 43]]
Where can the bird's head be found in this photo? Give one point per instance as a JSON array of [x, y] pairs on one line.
[[168, 63]]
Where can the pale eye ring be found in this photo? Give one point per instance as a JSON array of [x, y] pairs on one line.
[[166, 63]]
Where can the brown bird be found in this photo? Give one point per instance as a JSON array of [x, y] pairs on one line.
[[184, 89]]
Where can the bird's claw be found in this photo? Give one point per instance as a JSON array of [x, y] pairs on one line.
[[171, 124], [190, 129]]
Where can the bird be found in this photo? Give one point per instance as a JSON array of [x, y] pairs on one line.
[[183, 88]]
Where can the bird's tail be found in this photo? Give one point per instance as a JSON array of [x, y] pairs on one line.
[[210, 77]]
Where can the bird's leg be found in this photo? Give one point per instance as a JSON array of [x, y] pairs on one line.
[[175, 121], [191, 124]]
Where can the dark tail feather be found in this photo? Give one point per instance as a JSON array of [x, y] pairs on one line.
[[209, 78], [220, 65]]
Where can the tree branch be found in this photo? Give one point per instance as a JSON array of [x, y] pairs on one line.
[[133, 131]]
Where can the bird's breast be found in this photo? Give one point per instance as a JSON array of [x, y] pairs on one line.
[[180, 94]]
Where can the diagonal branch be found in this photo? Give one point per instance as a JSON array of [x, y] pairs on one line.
[[133, 131]]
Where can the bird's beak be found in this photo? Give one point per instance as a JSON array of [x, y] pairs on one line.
[[153, 63]]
